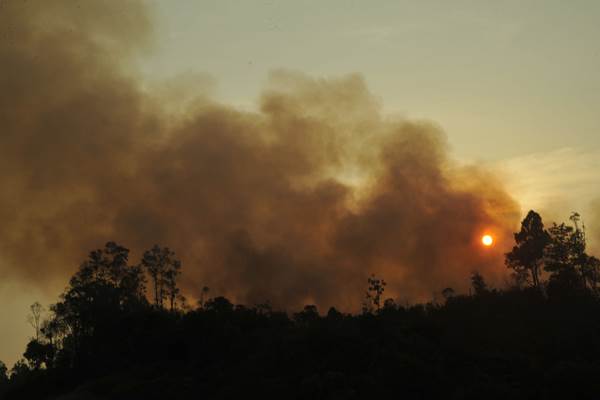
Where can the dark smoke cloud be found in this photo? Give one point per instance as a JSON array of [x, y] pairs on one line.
[[298, 202]]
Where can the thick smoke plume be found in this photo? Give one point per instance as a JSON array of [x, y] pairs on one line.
[[298, 202]]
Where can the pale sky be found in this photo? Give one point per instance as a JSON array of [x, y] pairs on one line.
[[503, 78]]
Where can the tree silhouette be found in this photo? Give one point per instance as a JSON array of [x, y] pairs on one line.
[[19, 370], [54, 330], [103, 288], [163, 268], [203, 296], [373, 295], [219, 305], [478, 284], [591, 272], [587, 266], [448, 293], [3, 374], [526, 258], [563, 258], [39, 354], [389, 304], [561, 251], [309, 314], [35, 318], [105, 340]]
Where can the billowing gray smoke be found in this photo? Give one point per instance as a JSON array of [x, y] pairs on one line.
[[298, 202]]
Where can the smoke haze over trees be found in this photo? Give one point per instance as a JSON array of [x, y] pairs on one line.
[[297, 203]]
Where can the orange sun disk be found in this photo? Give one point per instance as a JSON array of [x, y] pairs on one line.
[[487, 240]]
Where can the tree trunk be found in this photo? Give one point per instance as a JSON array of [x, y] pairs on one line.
[[155, 290], [535, 276]]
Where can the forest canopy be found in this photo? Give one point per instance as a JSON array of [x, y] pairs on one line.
[[123, 330]]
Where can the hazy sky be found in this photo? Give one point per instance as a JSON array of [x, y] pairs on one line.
[[515, 85], [512, 83], [503, 78]]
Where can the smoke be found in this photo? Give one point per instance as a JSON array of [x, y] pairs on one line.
[[297, 202]]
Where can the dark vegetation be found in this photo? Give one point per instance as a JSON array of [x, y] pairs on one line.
[[124, 332]]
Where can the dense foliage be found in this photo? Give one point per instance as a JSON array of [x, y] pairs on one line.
[[535, 340]]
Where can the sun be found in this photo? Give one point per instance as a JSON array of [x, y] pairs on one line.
[[487, 240]]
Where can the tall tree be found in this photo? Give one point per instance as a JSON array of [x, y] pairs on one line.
[[203, 296], [104, 284], [565, 257], [87, 320], [35, 318], [164, 268], [527, 256], [587, 266], [374, 294]]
